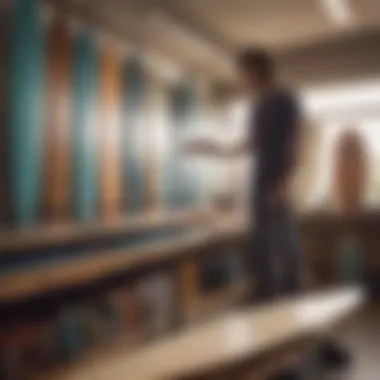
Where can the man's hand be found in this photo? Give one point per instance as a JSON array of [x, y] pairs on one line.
[[206, 147], [280, 194], [214, 148]]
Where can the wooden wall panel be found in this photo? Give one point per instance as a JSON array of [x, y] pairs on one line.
[[58, 122], [110, 137], [86, 182], [26, 112]]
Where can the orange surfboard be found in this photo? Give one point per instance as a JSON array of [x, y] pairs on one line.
[[110, 88], [58, 123], [153, 159], [350, 172]]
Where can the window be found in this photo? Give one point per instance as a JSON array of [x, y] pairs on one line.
[[336, 109]]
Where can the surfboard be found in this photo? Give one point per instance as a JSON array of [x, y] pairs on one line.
[[26, 112], [189, 124], [134, 138], [109, 129], [170, 162], [182, 180], [57, 159], [153, 158], [165, 181], [85, 134], [350, 175], [5, 39]]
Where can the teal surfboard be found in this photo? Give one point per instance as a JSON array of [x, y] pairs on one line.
[[171, 166], [133, 136], [5, 46], [26, 110], [188, 120], [181, 184], [85, 128]]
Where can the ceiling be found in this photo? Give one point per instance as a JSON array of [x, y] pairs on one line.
[[275, 23], [204, 35]]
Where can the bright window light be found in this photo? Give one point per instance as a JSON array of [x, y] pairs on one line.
[[354, 106], [350, 98], [339, 11]]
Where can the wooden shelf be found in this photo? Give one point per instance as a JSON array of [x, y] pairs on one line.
[[30, 282], [50, 235]]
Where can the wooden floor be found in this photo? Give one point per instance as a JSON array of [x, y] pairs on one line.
[[363, 341]]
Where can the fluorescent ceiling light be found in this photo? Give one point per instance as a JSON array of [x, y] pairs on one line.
[[338, 10]]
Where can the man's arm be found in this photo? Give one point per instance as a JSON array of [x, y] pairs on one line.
[[211, 147]]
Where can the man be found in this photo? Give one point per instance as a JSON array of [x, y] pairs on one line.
[[273, 142], [273, 138], [274, 135]]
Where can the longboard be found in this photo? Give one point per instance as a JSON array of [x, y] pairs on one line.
[[350, 174], [109, 129], [153, 158], [189, 120], [86, 183], [170, 163], [26, 112], [5, 39], [134, 137], [182, 180], [57, 160]]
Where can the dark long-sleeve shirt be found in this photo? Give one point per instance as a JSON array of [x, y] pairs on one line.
[[275, 136]]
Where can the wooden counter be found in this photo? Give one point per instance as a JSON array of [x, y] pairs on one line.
[[230, 339]]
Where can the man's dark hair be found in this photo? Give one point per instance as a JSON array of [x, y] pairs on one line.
[[257, 59]]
